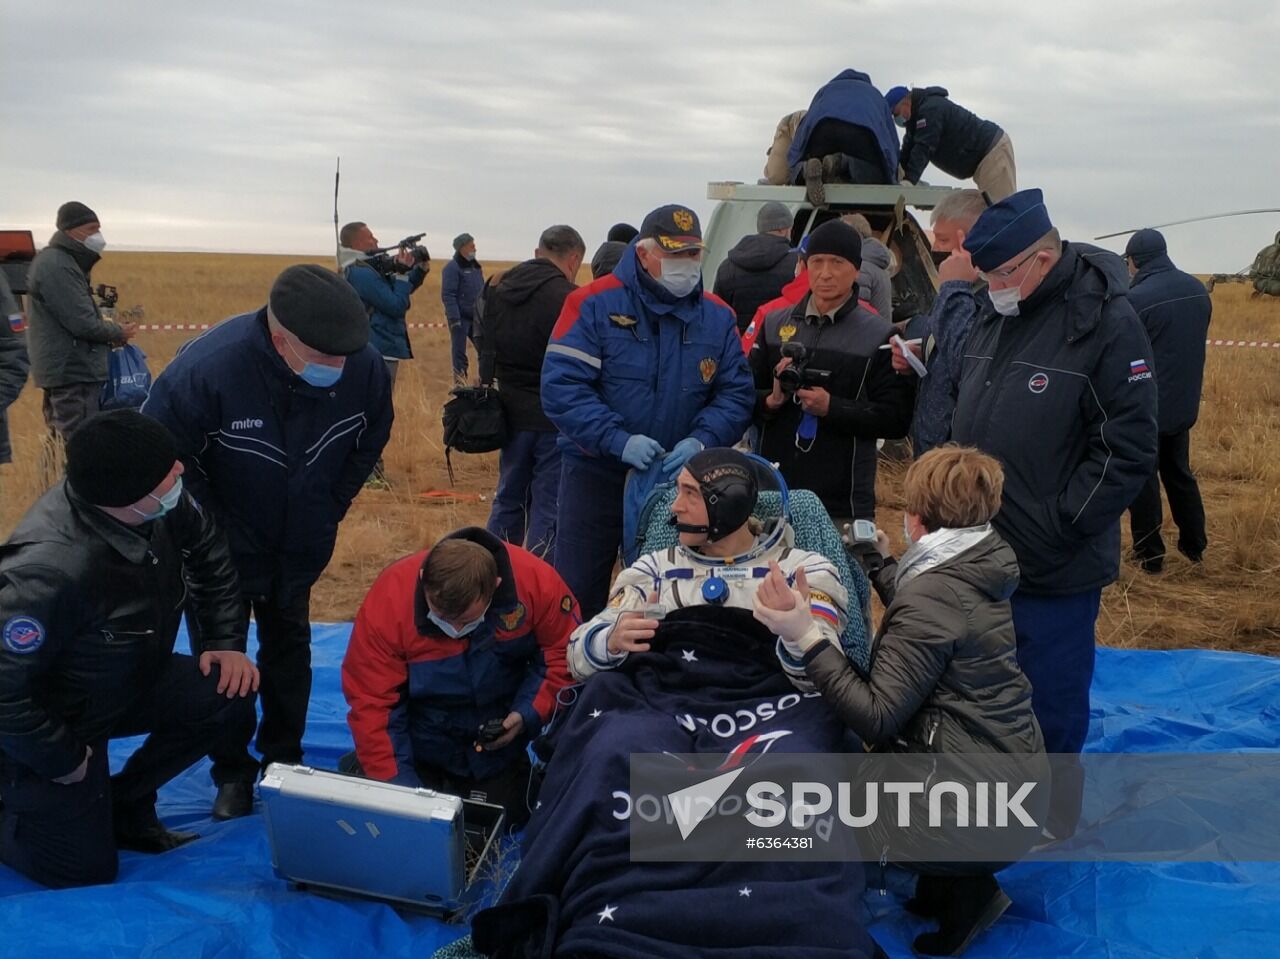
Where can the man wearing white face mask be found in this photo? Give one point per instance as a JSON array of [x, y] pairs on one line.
[[1056, 383], [643, 367], [92, 584], [454, 665], [69, 341], [280, 416]]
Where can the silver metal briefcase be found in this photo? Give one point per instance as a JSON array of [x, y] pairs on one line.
[[369, 838]]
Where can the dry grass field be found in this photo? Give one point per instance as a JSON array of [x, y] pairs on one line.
[[1231, 603]]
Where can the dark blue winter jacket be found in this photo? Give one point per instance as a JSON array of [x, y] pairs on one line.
[[944, 134], [387, 300], [1175, 309], [278, 460], [850, 97], [626, 357], [460, 283], [1062, 395]]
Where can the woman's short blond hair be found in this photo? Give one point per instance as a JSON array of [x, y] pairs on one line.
[[954, 486]]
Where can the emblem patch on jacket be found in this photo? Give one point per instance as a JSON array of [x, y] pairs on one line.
[[1038, 383], [22, 634], [622, 320], [18, 322], [513, 619], [707, 369], [786, 332], [566, 605], [1138, 370]]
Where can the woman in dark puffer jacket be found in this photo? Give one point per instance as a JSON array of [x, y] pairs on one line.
[[943, 675]]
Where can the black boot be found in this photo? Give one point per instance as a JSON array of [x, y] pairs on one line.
[[814, 190], [973, 904], [234, 800], [930, 897], [138, 829]]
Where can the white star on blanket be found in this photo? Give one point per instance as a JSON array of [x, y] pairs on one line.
[[689, 656], [745, 891], [607, 913]]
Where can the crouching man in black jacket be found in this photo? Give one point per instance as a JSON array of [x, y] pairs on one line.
[[92, 588]]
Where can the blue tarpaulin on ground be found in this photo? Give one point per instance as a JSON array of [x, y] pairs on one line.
[[218, 897]]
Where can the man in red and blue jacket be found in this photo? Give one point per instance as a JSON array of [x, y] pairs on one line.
[[469, 633], [643, 368]]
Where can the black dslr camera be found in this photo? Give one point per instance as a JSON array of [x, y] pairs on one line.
[[382, 258], [799, 376], [107, 295]]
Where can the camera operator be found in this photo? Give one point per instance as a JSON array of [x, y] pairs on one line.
[[384, 283], [826, 390]]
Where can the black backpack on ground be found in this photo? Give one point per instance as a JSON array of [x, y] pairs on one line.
[[473, 422]]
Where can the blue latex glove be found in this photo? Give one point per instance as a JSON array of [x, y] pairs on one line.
[[674, 461], [640, 451]]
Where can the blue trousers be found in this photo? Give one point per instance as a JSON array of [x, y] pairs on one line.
[[524, 507], [1056, 650], [459, 333], [588, 530]]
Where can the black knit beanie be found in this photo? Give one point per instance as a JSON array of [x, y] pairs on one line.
[[74, 214], [320, 308], [118, 457], [836, 238]]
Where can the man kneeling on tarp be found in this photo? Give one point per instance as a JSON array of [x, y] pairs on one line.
[[454, 664], [723, 558], [92, 587]]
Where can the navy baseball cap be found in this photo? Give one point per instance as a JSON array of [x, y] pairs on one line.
[[675, 227], [1007, 228]]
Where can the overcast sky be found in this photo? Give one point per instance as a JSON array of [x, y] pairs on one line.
[[215, 125]]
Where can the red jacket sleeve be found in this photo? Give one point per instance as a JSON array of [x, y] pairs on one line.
[[375, 679], [555, 615]]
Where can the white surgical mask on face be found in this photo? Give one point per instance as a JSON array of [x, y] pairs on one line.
[[1007, 301], [95, 242], [680, 274], [457, 632]]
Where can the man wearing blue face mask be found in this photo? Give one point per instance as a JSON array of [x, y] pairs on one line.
[[92, 584], [643, 367], [454, 665], [281, 415]]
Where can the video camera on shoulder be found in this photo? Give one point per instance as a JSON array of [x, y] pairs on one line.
[[799, 375], [383, 259], [107, 295]]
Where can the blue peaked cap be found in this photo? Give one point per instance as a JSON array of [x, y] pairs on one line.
[[1007, 228]]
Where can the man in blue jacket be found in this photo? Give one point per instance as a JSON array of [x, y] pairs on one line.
[[280, 416], [1056, 384], [460, 284], [385, 286], [641, 363], [1175, 309], [847, 135], [959, 143]]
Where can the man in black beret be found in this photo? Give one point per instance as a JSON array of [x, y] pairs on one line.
[[826, 390], [280, 415], [92, 584], [69, 340]]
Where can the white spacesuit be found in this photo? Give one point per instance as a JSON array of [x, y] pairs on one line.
[[682, 576]]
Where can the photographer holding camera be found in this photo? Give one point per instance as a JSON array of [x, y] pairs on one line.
[[826, 390], [384, 283]]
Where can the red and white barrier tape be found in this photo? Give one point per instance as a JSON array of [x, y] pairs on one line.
[[1245, 343]]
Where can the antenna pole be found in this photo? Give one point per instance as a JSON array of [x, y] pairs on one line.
[[337, 173]]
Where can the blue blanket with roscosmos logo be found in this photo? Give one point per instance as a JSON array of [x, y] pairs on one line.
[[710, 685]]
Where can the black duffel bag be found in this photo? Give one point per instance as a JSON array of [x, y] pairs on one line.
[[474, 422]]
